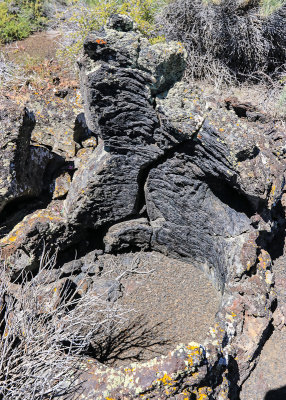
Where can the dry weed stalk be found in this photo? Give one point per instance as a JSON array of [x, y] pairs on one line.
[[227, 40], [11, 74]]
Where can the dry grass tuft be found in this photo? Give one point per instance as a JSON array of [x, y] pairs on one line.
[[228, 40]]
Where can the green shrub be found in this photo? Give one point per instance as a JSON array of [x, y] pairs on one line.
[[12, 27], [18, 18]]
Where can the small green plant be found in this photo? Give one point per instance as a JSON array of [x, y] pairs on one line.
[[269, 6]]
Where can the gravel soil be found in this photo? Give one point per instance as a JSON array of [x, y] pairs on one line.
[[172, 302]]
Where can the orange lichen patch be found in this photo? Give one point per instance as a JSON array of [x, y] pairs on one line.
[[203, 393], [90, 142], [272, 194], [101, 41], [127, 370], [264, 260], [168, 383], [166, 379], [230, 316], [187, 394]]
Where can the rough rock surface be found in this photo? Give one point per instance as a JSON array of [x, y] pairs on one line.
[[168, 172], [268, 380], [21, 167], [120, 236]]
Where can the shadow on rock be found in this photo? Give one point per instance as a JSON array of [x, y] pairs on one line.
[[276, 394], [135, 341]]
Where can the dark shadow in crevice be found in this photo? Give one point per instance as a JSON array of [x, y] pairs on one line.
[[81, 130], [273, 242], [18, 208], [15, 211], [140, 202], [276, 394], [229, 196], [266, 335], [233, 378], [214, 377], [246, 155]]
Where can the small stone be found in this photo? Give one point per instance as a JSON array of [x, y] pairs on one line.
[[62, 185], [90, 142]]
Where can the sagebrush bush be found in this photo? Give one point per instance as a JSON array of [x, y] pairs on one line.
[[229, 39], [45, 330]]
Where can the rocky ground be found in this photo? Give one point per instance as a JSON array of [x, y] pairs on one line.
[[151, 165]]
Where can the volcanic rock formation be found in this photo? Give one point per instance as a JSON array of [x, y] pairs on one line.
[[166, 170]]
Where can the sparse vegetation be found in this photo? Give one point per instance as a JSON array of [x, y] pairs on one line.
[[233, 46], [229, 40], [83, 17], [49, 328], [269, 6], [45, 329]]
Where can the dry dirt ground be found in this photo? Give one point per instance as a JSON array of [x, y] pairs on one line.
[[40, 45], [172, 303]]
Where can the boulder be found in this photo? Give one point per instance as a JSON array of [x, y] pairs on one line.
[[128, 234], [18, 176]]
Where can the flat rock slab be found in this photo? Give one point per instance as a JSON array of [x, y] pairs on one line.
[[175, 303], [268, 380]]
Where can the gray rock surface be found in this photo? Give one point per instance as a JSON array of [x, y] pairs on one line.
[[129, 234], [21, 167]]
